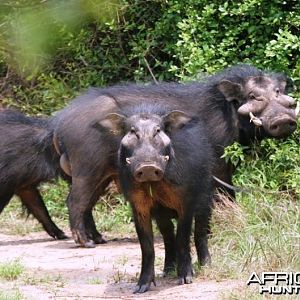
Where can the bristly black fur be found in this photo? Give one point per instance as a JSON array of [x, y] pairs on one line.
[[27, 158], [93, 153], [188, 181]]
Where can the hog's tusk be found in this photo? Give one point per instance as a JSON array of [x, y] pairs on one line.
[[297, 109], [256, 121], [167, 157], [128, 160]]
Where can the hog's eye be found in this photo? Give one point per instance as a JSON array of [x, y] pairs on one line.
[[132, 130], [277, 91], [252, 96], [134, 133], [156, 131]]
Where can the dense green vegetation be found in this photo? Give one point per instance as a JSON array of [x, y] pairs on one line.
[[180, 40]]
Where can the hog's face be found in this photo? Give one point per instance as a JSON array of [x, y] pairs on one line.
[[262, 99], [146, 148]]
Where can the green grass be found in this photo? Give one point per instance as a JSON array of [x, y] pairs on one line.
[[113, 214], [38, 279], [11, 295], [55, 194], [15, 220], [11, 270], [260, 233], [95, 281]]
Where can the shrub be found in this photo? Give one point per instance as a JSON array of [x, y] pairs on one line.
[[179, 40]]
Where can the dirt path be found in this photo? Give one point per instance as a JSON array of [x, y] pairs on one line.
[[60, 270]]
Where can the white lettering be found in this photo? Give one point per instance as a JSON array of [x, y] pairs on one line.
[[297, 289], [277, 283], [265, 289], [296, 278], [280, 290], [282, 277], [287, 290], [254, 279], [277, 290], [267, 276]]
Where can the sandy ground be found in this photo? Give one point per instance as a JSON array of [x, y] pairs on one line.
[[61, 270]]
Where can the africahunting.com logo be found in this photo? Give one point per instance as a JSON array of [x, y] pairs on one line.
[[276, 283]]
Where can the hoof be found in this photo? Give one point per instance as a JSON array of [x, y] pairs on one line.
[[57, 234], [61, 236], [89, 244], [99, 240], [82, 239], [205, 260], [142, 288], [185, 280]]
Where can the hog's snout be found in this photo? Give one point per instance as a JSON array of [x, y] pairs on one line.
[[148, 172], [282, 126]]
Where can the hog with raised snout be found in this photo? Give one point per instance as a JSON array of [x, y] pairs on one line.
[[266, 104], [241, 104], [164, 163]]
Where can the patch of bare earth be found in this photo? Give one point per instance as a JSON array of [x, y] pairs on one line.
[[61, 270]]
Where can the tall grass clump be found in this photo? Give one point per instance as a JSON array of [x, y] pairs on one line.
[[261, 231], [13, 294], [11, 270]]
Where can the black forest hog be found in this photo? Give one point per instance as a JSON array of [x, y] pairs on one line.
[[165, 164], [27, 158], [241, 103]]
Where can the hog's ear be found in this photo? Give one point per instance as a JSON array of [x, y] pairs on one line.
[[114, 123], [176, 119], [231, 90]]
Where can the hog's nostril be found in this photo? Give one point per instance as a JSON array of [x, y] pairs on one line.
[[282, 127], [292, 124], [139, 174], [148, 173], [274, 127]]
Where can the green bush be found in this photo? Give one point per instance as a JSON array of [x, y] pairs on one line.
[[179, 40]]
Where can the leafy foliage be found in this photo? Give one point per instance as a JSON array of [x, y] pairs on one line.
[[178, 39]]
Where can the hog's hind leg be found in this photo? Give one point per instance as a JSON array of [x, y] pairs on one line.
[[4, 199], [33, 201], [92, 231], [184, 264], [84, 193], [202, 218]]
